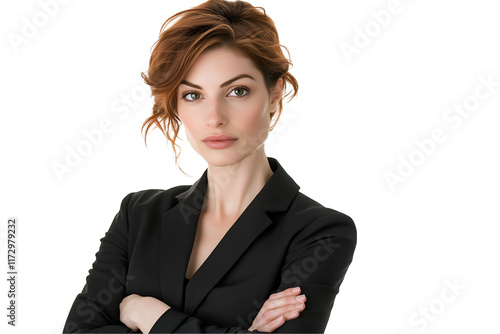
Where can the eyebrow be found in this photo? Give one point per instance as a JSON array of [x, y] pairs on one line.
[[185, 82]]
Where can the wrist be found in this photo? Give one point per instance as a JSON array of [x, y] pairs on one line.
[[149, 314]]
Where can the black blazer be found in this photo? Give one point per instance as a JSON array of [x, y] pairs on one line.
[[283, 239]]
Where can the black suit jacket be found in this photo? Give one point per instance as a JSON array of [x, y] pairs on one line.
[[283, 239]]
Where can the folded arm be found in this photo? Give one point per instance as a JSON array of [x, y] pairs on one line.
[[317, 261]]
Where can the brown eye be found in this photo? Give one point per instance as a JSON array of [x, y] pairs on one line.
[[191, 96], [240, 91]]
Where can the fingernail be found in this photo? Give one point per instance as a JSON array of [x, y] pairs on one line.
[[300, 298], [296, 290]]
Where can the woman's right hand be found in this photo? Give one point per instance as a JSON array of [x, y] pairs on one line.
[[280, 307]]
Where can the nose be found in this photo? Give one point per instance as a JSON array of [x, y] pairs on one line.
[[216, 115]]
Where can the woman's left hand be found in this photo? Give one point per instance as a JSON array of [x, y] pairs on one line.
[[138, 312]]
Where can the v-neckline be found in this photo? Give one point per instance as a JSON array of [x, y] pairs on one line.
[[197, 230]]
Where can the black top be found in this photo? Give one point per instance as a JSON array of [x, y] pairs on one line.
[[283, 239]]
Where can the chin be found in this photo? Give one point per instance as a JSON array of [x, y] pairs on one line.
[[221, 159], [225, 157]]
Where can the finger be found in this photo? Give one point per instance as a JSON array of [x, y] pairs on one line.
[[280, 320], [284, 301], [285, 310], [293, 314], [287, 292], [267, 316], [273, 325]]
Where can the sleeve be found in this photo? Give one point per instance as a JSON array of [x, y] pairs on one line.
[[96, 308], [173, 321], [317, 261]]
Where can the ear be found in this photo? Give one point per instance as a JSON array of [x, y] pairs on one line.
[[276, 94]]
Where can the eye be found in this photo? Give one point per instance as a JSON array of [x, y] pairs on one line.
[[240, 91], [191, 96]]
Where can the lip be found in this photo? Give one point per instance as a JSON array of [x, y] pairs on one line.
[[219, 141], [219, 137]]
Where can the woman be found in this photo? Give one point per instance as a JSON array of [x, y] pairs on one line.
[[241, 249]]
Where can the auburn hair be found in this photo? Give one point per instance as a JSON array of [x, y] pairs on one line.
[[234, 24]]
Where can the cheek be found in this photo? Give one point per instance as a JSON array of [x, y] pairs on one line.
[[255, 123], [254, 117], [189, 125], [187, 121]]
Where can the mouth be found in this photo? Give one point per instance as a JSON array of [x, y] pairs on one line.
[[219, 141], [219, 138]]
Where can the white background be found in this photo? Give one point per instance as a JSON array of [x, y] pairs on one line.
[[354, 118]]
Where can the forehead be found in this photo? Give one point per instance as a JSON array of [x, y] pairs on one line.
[[220, 64]]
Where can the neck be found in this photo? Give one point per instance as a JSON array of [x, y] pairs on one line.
[[230, 189]]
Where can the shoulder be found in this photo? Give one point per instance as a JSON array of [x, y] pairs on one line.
[[312, 215], [150, 199], [314, 226]]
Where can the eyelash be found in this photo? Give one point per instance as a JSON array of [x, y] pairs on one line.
[[235, 88]]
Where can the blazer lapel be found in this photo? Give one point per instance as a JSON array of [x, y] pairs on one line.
[[179, 228]]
